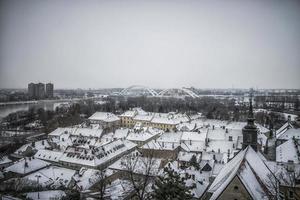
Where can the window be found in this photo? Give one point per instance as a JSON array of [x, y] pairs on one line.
[[291, 194], [236, 187], [230, 138]]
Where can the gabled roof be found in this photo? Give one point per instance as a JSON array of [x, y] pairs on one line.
[[289, 134], [287, 151], [283, 129], [249, 167]]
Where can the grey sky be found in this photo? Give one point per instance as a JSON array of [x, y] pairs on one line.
[[97, 44]]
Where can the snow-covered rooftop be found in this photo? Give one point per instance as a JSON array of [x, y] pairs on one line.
[[96, 156], [129, 113], [193, 146], [86, 177], [144, 117], [48, 155], [169, 118], [170, 137], [59, 131], [289, 134], [194, 136], [26, 165], [251, 170], [287, 152], [104, 116], [52, 176], [87, 132], [42, 144], [143, 135], [121, 133]]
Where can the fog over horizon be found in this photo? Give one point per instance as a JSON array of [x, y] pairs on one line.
[[159, 44]]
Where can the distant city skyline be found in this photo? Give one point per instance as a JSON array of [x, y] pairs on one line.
[[159, 44]]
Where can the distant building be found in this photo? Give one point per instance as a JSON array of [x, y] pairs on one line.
[[108, 121], [49, 90], [37, 90], [40, 90], [31, 90]]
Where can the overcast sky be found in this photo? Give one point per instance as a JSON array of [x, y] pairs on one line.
[[160, 44]]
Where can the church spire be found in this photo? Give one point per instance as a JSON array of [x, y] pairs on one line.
[[250, 119], [251, 108], [250, 130]]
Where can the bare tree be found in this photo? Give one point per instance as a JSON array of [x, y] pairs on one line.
[[281, 177], [102, 184], [19, 185], [141, 172]]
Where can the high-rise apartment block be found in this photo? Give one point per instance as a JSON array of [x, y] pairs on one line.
[[49, 90], [38, 90]]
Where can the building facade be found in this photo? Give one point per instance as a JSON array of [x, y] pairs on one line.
[[39, 91], [49, 90]]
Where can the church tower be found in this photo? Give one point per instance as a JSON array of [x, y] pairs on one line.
[[250, 130]]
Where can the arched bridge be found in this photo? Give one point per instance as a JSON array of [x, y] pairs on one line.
[[183, 90], [138, 87], [163, 93]]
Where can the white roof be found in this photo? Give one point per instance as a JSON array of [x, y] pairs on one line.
[[194, 136], [60, 131], [144, 117], [287, 151], [216, 134], [289, 134], [97, 156], [104, 116], [169, 118], [141, 135], [129, 113], [187, 126], [52, 176], [156, 145], [121, 133], [42, 144], [46, 195], [33, 164], [48, 155], [251, 170], [221, 146], [87, 132], [86, 178], [283, 128], [170, 137], [193, 146]]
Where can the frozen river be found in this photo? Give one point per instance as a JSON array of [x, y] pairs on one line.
[[47, 105]]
